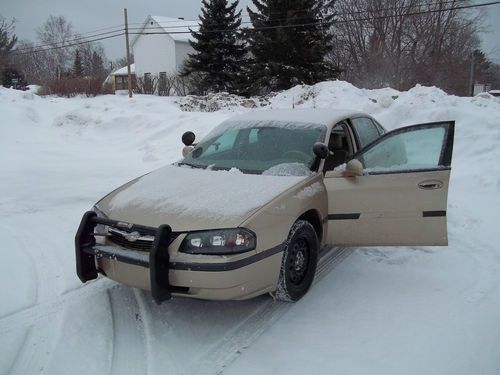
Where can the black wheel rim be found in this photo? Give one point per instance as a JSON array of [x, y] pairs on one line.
[[298, 261]]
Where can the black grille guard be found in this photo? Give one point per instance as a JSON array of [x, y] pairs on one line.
[[158, 256]]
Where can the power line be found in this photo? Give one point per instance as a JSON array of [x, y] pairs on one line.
[[71, 40], [327, 23], [247, 15], [119, 32], [430, 11], [381, 9], [104, 28], [15, 53], [195, 23]]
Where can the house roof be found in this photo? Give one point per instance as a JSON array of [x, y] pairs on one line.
[[123, 71], [178, 29]]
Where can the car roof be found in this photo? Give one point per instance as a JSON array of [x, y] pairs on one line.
[[318, 116]]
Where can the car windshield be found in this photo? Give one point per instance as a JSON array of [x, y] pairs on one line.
[[259, 147]]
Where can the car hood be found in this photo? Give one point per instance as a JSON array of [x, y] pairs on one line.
[[193, 199]]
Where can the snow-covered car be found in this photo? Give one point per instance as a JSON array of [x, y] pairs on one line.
[[252, 206]]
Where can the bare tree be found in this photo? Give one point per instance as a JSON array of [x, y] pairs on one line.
[[57, 32], [33, 64], [52, 57], [400, 43]]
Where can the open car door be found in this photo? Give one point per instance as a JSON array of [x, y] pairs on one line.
[[401, 197]]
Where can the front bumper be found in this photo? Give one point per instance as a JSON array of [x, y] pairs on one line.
[[157, 260], [219, 278]]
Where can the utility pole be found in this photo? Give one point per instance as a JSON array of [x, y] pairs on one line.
[[129, 74], [471, 76]]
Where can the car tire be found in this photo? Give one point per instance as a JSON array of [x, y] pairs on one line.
[[298, 266]]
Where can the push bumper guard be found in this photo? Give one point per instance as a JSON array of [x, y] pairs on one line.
[[158, 256]]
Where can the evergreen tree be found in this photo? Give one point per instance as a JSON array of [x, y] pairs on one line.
[[289, 43], [7, 42], [220, 54], [97, 65], [11, 77], [77, 65]]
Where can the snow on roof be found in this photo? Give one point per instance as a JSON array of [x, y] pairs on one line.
[[317, 116], [124, 71], [178, 29]]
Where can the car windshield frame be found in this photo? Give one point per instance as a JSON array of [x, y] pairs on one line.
[[258, 147]]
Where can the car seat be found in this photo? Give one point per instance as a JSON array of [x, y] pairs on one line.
[[338, 146]]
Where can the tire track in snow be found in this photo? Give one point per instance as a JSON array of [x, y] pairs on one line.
[[45, 310], [129, 353], [145, 315], [14, 363], [38, 343], [35, 353], [21, 347], [232, 344], [132, 329]]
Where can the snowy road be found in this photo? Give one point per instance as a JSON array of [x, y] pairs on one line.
[[184, 336], [380, 311]]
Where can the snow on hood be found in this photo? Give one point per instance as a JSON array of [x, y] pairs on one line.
[[215, 196]]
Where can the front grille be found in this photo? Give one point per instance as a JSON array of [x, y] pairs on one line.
[[145, 243], [140, 245]]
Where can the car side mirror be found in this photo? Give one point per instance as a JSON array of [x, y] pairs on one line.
[[188, 138], [321, 150], [353, 168]]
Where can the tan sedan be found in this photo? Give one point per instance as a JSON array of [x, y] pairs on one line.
[[249, 207]]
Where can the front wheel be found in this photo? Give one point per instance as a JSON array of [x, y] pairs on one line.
[[298, 266]]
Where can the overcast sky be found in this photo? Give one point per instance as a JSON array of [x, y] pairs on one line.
[[90, 15]]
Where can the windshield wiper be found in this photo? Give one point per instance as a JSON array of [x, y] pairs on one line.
[[192, 165]]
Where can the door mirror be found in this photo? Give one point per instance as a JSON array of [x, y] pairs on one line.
[[353, 168], [321, 150], [188, 138]]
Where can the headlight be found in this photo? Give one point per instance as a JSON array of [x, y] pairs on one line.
[[220, 242]]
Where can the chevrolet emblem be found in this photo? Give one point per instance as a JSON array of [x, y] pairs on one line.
[[132, 237]]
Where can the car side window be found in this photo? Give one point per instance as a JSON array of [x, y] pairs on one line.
[[416, 149], [365, 129]]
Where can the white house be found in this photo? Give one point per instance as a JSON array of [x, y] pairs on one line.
[[161, 45]]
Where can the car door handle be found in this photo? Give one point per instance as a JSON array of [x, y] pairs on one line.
[[430, 185]]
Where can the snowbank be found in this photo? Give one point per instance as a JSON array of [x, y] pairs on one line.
[[383, 310]]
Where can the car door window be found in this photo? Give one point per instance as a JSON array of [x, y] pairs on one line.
[[365, 129], [409, 150]]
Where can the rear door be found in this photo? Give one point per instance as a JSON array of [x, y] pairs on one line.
[[401, 198]]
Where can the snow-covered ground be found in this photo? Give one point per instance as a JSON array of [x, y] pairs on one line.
[[378, 311]]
